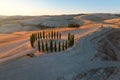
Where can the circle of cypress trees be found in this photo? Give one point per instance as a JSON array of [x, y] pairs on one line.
[[41, 37]]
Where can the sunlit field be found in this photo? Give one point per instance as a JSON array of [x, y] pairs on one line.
[[59, 40]]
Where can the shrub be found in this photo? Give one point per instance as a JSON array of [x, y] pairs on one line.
[[73, 25], [31, 55]]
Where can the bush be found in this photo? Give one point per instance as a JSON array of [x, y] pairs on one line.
[[73, 25], [31, 55]]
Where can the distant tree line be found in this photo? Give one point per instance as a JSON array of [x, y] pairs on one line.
[[44, 26]]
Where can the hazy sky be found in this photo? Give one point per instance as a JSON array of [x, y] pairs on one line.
[[56, 7]]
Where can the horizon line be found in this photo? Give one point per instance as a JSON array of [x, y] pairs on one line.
[[62, 14]]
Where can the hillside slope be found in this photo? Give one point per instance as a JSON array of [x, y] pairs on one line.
[[29, 23]]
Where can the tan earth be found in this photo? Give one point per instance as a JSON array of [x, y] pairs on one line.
[[75, 62]]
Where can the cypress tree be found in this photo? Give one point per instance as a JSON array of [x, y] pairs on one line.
[[43, 46], [69, 35], [72, 40], [40, 35], [46, 45], [59, 47], [66, 44], [55, 46], [35, 36], [69, 40], [69, 43], [57, 35], [32, 40], [46, 35], [39, 48], [52, 35], [43, 34], [51, 45], [49, 35], [62, 46]]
